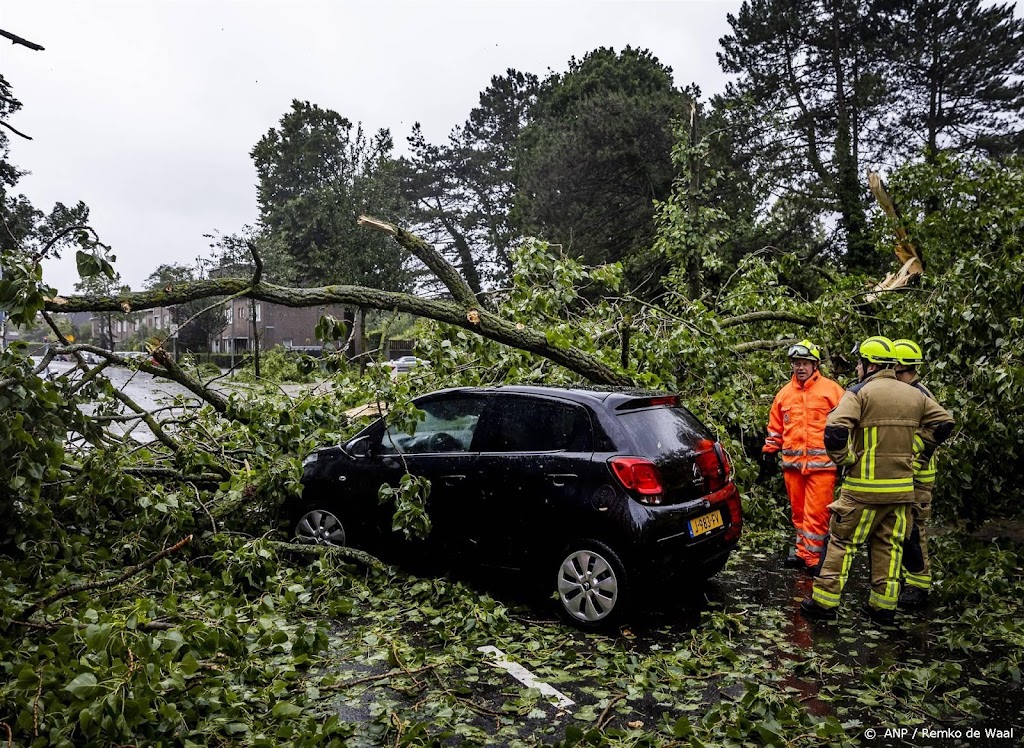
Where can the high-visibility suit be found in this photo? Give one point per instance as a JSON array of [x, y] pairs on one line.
[[873, 432], [796, 426], [916, 567]]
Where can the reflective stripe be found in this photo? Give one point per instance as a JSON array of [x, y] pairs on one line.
[[867, 468], [926, 474], [882, 485], [918, 444], [821, 465], [824, 599], [860, 534], [791, 452], [892, 583], [921, 581], [814, 548], [816, 452], [813, 535], [881, 601]]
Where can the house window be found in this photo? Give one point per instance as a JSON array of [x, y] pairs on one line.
[[287, 343], [229, 314], [257, 313]]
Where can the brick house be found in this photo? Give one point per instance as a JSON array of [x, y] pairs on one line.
[[273, 324]]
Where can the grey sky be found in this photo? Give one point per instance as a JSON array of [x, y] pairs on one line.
[[147, 111]]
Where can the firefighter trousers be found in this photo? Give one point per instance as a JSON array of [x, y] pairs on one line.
[[916, 567], [884, 527], [810, 495]]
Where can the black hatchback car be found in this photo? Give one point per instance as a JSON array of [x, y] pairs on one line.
[[600, 491]]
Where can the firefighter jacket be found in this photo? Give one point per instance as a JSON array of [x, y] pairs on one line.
[[796, 423], [873, 432], [924, 470]]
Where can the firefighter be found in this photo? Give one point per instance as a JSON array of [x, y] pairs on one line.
[[872, 433], [917, 577], [796, 427]]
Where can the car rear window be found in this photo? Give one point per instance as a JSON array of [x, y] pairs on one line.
[[658, 431]]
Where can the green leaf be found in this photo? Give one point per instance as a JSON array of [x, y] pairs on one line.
[[83, 686], [285, 709]]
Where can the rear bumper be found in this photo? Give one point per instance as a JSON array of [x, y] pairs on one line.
[[668, 544]]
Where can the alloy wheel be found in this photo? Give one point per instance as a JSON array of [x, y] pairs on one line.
[[587, 586], [320, 527]]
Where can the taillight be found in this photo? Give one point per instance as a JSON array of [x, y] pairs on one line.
[[723, 459], [639, 475], [732, 501], [672, 400], [710, 464]]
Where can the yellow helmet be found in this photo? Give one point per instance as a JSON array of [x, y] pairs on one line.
[[804, 349], [908, 352], [878, 350]]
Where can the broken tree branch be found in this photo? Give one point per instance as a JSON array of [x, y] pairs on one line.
[[478, 321], [15, 39], [418, 248], [768, 316], [15, 130], [127, 574]]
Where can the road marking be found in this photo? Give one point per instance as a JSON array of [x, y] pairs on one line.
[[527, 678]]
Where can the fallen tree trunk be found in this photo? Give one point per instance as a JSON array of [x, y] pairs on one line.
[[464, 312]]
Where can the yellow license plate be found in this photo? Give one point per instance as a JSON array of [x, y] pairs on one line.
[[705, 523]]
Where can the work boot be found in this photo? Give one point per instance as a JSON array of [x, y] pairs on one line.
[[811, 608], [793, 561], [913, 597], [879, 616]]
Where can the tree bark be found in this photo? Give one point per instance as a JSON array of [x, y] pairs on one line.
[[463, 311]]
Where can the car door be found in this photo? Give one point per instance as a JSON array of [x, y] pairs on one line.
[[438, 448], [532, 467]]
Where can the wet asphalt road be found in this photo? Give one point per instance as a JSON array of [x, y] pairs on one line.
[[147, 391], [831, 668]]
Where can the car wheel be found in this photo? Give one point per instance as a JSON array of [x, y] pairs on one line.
[[592, 585], [317, 526]]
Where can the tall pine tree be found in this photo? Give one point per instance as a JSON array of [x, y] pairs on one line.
[[811, 73], [957, 78]]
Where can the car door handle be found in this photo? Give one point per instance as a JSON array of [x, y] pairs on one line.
[[390, 462], [560, 479]]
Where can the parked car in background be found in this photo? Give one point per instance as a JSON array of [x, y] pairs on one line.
[[607, 495], [405, 364]]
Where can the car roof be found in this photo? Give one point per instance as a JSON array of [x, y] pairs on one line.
[[611, 396]]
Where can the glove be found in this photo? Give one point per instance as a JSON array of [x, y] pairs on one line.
[[769, 467]]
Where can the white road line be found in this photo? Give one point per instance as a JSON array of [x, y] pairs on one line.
[[527, 678]]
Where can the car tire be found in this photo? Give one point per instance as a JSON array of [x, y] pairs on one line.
[[592, 585], [313, 524]]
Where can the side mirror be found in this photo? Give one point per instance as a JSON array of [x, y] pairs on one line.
[[359, 447]]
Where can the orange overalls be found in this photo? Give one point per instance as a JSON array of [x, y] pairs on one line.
[[796, 428]]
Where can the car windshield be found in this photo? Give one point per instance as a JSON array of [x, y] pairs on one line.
[[659, 431]]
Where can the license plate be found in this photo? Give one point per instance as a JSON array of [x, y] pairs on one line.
[[705, 523]]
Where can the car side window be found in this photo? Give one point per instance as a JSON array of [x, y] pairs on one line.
[[448, 425], [526, 424]]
